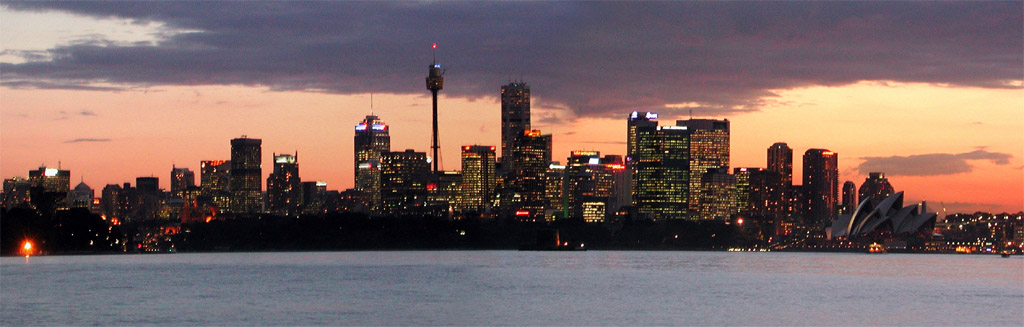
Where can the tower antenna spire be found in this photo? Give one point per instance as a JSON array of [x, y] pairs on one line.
[[435, 82]]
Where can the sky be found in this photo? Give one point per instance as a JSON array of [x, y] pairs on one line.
[[931, 93]]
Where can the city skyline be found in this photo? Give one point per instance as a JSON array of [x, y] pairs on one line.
[[90, 121]]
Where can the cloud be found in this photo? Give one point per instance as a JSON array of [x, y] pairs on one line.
[[81, 140], [87, 113], [598, 58], [930, 164]]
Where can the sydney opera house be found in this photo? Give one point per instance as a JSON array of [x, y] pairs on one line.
[[886, 218]]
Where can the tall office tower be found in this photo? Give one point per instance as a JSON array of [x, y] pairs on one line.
[[371, 140], [524, 196], [148, 197], [849, 197], [110, 202], [515, 116], [821, 186], [621, 192], [780, 160], [246, 175], [314, 198], [589, 184], [556, 204], [709, 149], [284, 193], [657, 158], [435, 82], [214, 184], [181, 179], [767, 197], [478, 178], [744, 206], [51, 179], [641, 148], [718, 197], [876, 187], [404, 176]]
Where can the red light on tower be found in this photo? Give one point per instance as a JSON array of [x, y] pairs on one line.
[[522, 213], [465, 148], [434, 46], [492, 148]]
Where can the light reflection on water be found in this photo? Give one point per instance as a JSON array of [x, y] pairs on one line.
[[513, 288]]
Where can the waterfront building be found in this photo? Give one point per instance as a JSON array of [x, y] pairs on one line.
[[556, 202], [478, 178], [821, 185], [404, 178], [515, 116], [314, 197], [875, 187], [444, 193], [214, 185], [709, 149], [718, 198], [780, 161], [82, 197], [284, 194], [849, 197], [17, 192], [246, 182], [372, 139]]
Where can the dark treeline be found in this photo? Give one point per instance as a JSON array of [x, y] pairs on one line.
[[350, 231], [65, 231]]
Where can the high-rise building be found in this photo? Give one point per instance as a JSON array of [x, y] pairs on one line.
[[246, 175], [284, 193], [709, 149], [525, 183], [744, 205], [51, 179], [766, 199], [215, 184], [443, 193], [718, 197], [589, 184], [371, 140], [181, 179], [821, 186], [515, 116], [81, 197], [17, 192], [404, 178], [314, 198], [556, 205], [111, 203], [876, 187], [148, 198], [478, 178], [849, 203], [658, 158], [780, 160]]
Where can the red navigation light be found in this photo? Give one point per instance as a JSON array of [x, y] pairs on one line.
[[431, 186], [828, 153], [522, 213], [465, 148], [434, 46], [492, 148]]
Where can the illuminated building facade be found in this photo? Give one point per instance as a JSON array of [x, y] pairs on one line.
[[182, 179], [246, 175], [478, 178], [524, 194], [215, 184], [767, 195], [444, 193], [17, 192], [589, 181], [515, 116], [51, 179], [284, 193], [371, 140], [709, 149], [743, 204], [314, 198], [658, 158], [642, 153], [556, 203], [876, 188], [718, 197], [821, 186], [780, 160], [404, 178]]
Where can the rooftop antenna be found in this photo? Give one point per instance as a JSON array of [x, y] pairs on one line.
[[691, 113], [371, 103]]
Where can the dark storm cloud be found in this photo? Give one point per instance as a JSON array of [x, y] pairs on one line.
[[596, 58], [930, 164], [81, 140]]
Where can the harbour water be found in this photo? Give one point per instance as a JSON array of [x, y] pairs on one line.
[[513, 288]]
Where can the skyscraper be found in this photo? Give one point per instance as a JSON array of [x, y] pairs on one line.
[[525, 184], [821, 186], [181, 180], [718, 198], [478, 178], [515, 116], [876, 187], [215, 184], [658, 158], [371, 141], [284, 193], [780, 161], [404, 177], [849, 203], [51, 179], [709, 149], [246, 175]]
